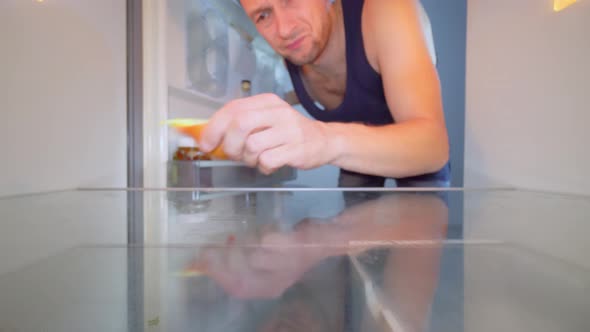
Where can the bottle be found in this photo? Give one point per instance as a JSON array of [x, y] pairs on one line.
[[245, 89]]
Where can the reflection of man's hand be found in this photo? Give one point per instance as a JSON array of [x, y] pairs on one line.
[[267, 267], [259, 270]]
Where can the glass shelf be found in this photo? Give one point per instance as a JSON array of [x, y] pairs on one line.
[[326, 259]]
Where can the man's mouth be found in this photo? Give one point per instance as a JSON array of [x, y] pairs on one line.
[[296, 44]]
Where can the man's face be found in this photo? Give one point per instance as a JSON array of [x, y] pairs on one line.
[[296, 29]]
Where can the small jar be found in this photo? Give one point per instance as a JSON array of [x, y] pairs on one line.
[[187, 151], [246, 88]]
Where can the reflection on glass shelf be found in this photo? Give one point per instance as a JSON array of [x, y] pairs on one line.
[[314, 260]]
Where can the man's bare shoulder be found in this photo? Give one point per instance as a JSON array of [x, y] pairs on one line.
[[390, 27], [381, 14], [382, 20], [398, 19]]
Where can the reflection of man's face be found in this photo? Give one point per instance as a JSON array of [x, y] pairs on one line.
[[296, 29]]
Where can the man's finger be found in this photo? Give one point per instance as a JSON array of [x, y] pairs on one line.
[[214, 133], [271, 160], [261, 141], [246, 123]]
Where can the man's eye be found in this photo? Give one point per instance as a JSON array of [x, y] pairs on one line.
[[263, 16]]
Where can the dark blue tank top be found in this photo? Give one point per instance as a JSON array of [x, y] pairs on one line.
[[364, 100]]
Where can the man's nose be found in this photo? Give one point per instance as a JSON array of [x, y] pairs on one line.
[[285, 24]]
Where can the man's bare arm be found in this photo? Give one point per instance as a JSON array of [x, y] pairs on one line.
[[418, 142]]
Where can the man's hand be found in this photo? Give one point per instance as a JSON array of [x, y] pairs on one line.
[[264, 131], [264, 271]]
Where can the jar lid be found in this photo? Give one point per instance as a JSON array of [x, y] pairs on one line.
[[186, 142], [246, 85]]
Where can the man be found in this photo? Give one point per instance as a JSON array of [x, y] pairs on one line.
[[362, 69]]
